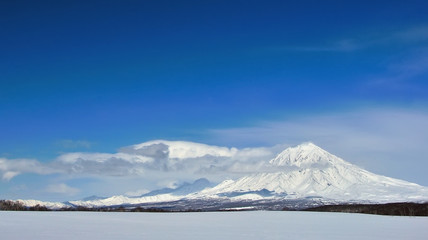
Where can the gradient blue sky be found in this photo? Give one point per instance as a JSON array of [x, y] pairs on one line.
[[95, 76]]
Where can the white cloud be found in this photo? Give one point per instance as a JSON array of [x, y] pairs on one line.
[[179, 149], [9, 175], [62, 188], [155, 160], [257, 153], [161, 158], [75, 157], [117, 164], [9, 168]]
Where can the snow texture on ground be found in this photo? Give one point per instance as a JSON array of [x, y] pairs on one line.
[[211, 225]]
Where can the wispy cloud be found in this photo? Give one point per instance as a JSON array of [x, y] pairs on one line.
[[374, 138], [405, 64], [9, 168], [62, 188], [411, 35], [375, 129], [408, 36], [400, 75]]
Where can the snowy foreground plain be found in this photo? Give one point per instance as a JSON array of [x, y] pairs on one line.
[[209, 225]]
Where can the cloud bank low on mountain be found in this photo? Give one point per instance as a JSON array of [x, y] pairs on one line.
[[140, 159], [163, 156], [304, 173]]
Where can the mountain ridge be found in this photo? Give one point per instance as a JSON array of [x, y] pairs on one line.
[[303, 172], [308, 170]]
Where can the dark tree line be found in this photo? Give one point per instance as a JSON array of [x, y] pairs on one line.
[[8, 205], [396, 209]]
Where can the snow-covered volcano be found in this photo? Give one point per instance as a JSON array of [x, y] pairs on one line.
[[303, 172], [309, 171]]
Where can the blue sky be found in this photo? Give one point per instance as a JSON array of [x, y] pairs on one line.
[[100, 75]]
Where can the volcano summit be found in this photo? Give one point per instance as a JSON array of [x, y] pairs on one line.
[[304, 175]]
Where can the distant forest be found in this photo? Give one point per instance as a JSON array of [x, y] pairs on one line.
[[395, 209], [8, 205]]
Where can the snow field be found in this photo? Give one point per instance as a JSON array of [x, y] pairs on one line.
[[208, 225]]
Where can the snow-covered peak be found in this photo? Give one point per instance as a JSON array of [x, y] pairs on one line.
[[180, 149], [305, 155], [50, 205], [300, 172]]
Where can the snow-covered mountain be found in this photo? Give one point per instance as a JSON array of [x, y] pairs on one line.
[[50, 205], [303, 172], [161, 195], [309, 171]]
